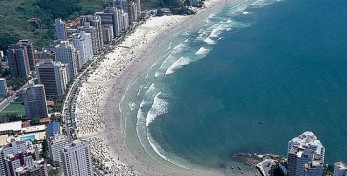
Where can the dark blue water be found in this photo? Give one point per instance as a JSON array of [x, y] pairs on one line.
[[287, 69]]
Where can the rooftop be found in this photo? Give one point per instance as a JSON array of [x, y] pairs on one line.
[[341, 165], [14, 126]]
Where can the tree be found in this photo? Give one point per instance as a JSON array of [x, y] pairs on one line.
[[45, 148], [35, 121], [54, 172]]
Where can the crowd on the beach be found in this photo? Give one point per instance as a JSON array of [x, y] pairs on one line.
[[104, 161], [88, 117]]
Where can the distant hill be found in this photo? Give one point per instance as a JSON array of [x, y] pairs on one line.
[[33, 19]]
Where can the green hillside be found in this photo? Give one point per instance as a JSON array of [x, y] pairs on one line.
[[14, 16]]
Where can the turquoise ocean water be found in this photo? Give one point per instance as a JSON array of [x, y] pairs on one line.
[[280, 62]]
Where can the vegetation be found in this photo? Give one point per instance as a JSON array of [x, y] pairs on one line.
[[45, 148], [13, 109]]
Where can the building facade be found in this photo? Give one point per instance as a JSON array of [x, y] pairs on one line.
[[60, 29], [95, 21], [12, 148], [54, 77], [107, 32], [30, 51], [67, 54], [56, 144], [82, 42], [305, 155], [77, 159], [18, 61], [35, 101], [340, 169], [3, 87]]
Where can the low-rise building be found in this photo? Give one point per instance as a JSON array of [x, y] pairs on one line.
[[340, 169], [3, 87]]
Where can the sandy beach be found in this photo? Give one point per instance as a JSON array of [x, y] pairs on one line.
[[97, 118]]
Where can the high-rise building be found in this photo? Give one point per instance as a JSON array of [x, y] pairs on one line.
[[67, 54], [340, 169], [133, 12], [45, 54], [124, 20], [77, 159], [138, 3], [32, 168], [3, 87], [121, 4], [56, 144], [95, 20], [60, 29], [107, 32], [305, 155], [94, 36], [35, 101], [54, 77], [12, 148], [82, 42], [18, 61], [30, 51], [52, 128], [111, 17]]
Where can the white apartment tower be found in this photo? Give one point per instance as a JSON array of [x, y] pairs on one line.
[[56, 144], [95, 38], [340, 169], [35, 101], [60, 29], [77, 159], [67, 54], [3, 87], [305, 155], [95, 20], [82, 42], [54, 77]]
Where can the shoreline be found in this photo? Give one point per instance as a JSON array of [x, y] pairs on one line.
[[104, 129]]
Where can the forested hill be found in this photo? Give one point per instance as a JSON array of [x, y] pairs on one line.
[[17, 17]]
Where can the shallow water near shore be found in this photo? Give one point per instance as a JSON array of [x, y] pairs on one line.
[[280, 62]]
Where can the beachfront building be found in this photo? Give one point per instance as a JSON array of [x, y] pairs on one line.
[[77, 159], [124, 20], [340, 169], [305, 155], [13, 148], [53, 75], [95, 21], [18, 61], [107, 33], [67, 54], [83, 44], [35, 101], [56, 144], [133, 12], [110, 17], [193, 2], [3, 87], [60, 29]]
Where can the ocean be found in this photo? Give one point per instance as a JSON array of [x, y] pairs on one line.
[[283, 63]]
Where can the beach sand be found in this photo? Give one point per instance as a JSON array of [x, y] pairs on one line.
[[97, 118]]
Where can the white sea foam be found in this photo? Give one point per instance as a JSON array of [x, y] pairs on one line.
[[167, 62], [178, 48], [151, 90], [209, 41], [182, 61], [245, 13], [202, 51], [159, 107], [132, 105]]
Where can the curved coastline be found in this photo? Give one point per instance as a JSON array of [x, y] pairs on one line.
[[115, 87]]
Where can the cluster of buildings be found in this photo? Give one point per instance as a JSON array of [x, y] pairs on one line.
[[22, 158], [305, 157], [76, 44], [54, 67]]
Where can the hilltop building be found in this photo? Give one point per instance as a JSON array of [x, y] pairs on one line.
[[18, 61], [305, 155], [54, 77], [60, 29], [3, 87], [66, 53], [35, 101], [77, 159], [340, 169]]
